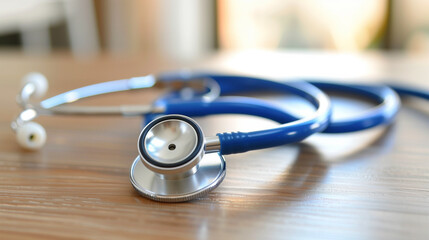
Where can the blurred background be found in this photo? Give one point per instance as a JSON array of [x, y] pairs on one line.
[[191, 29]]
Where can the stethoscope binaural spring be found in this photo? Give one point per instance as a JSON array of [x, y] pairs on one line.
[[176, 161]]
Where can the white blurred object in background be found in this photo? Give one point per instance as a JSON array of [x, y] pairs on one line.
[[32, 19], [271, 24], [187, 28]]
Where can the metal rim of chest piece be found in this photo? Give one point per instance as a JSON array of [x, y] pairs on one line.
[[210, 173]]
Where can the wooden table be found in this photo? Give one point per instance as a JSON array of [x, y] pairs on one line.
[[368, 185]]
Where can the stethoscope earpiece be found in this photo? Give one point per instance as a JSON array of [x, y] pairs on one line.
[[31, 135], [173, 166], [39, 82]]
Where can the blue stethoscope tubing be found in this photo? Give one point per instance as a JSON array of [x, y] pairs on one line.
[[292, 129], [237, 142], [387, 100], [404, 91]]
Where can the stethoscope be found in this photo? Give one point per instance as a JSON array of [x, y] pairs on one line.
[[176, 161]]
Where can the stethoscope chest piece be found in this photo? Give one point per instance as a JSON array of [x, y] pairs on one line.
[[172, 166]]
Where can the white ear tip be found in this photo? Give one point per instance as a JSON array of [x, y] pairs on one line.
[[39, 80], [31, 136]]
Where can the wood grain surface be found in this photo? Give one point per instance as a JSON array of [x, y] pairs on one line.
[[368, 185]]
